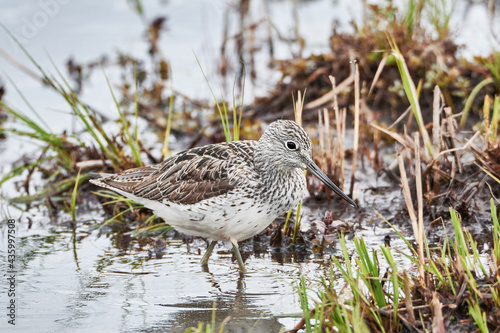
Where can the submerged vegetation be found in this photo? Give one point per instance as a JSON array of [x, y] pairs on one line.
[[397, 88]]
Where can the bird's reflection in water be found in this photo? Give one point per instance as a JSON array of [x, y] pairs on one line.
[[237, 309]]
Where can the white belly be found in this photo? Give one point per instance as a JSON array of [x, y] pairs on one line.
[[217, 218], [236, 219]]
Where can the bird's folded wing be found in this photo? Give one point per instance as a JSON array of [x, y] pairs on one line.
[[187, 178]]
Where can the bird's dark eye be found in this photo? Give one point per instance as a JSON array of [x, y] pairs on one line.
[[291, 145]]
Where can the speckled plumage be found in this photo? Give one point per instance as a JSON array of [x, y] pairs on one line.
[[226, 191]]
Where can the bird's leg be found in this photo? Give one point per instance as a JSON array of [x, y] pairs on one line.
[[238, 255], [208, 252]]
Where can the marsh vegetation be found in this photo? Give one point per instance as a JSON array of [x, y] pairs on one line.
[[399, 119]]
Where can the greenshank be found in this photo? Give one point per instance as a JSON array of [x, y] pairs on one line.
[[227, 191]]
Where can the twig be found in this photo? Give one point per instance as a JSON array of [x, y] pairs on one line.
[[379, 71], [356, 127], [401, 117], [329, 96]]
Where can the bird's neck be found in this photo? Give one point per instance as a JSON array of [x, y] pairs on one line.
[[284, 186]]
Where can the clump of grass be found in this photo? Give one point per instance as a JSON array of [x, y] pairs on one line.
[[411, 93], [452, 282], [224, 113], [63, 146], [454, 278], [442, 155], [64, 155], [331, 157], [440, 12], [492, 63]]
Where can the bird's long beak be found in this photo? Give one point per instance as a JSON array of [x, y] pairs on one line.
[[311, 166]]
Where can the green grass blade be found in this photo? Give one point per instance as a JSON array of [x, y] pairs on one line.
[[478, 316], [136, 153], [411, 92], [495, 118], [73, 196], [304, 304], [296, 227], [470, 99], [394, 279], [286, 221], [37, 114], [496, 231]]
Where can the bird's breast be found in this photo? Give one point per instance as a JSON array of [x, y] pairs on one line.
[[284, 191]]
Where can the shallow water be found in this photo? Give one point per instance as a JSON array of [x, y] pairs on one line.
[[89, 284], [79, 281]]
